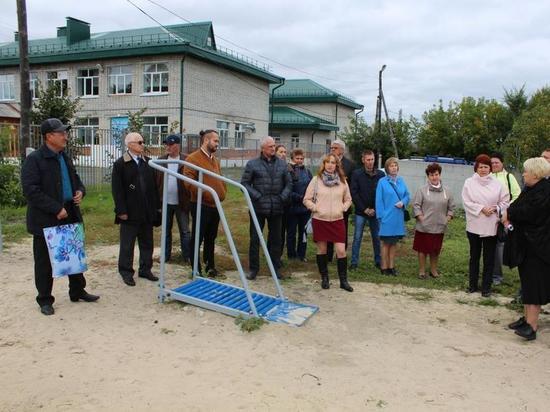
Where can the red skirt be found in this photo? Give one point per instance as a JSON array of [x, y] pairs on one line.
[[428, 243], [329, 231]]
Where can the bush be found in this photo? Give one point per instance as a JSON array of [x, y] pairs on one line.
[[11, 193]]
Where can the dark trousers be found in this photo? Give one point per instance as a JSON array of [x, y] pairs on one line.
[[128, 234], [274, 227], [43, 274], [284, 225], [296, 225], [210, 220], [330, 245], [182, 218], [488, 246]]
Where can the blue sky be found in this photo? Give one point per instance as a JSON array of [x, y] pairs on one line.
[[433, 49]]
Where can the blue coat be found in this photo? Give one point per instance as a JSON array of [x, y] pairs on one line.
[[392, 222], [301, 176]]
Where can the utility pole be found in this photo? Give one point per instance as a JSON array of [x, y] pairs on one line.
[[24, 89], [381, 102]]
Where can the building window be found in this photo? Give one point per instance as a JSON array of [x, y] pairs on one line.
[[34, 85], [239, 135], [87, 129], [155, 128], [120, 80], [59, 79], [294, 141], [155, 78], [87, 82], [223, 131], [7, 87]]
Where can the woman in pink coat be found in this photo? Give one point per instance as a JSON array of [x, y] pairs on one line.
[[484, 200]]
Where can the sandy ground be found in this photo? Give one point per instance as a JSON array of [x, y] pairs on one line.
[[376, 348]]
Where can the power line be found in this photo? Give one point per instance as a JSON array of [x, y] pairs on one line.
[[254, 52]]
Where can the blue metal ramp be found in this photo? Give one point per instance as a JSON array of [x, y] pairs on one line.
[[232, 300]]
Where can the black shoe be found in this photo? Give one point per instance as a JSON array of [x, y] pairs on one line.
[[47, 310], [352, 267], [377, 265], [486, 294], [129, 280], [471, 290], [303, 260], [392, 272], [252, 275], [211, 272], [518, 323], [526, 332], [85, 296], [150, 277]]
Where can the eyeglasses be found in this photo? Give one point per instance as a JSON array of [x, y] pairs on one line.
[[140, 142]]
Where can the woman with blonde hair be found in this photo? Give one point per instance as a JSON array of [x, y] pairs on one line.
[[328, 197], [392, 198], [529, 216]]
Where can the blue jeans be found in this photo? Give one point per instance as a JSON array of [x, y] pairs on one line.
[[182, 218], [358, 237]]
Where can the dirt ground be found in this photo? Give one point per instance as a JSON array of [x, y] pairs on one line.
[[381, 347]]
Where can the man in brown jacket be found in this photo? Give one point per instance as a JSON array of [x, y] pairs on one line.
[[205, 157], [178, 199]]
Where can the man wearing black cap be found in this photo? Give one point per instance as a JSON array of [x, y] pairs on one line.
[[178, 199], [53, 191], [137, 209]]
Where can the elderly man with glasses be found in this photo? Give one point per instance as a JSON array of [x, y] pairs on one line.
[[137, 209]]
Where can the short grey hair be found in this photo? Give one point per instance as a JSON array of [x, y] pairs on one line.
[[340, 143], [537, 166], [264, 140], [130, 137]]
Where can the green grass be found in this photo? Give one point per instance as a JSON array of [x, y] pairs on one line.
[[97, 208]]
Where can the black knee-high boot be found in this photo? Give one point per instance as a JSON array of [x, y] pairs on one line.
[[323, 270], [343, 273]]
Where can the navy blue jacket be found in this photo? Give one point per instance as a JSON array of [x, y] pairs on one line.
[[268, 183], [363, 189], [42, 187], [301, 176]]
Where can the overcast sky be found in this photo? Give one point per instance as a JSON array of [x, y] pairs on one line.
[[433, 49]]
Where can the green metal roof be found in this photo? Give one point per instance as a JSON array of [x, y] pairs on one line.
[[195, 39], [306, 90], [287, 118]]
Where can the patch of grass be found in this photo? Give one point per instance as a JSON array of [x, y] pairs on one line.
[[488, 302], [13, 224], [421, 296], [462, 301], [250, 324]]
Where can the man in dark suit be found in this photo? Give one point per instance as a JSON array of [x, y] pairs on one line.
[[53, 191], [137, 209], [337, 148]]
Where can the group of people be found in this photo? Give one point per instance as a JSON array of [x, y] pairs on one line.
[[289, 198]]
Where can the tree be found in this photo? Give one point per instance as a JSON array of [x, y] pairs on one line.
[[52, 103], [135, 120], [516, 100]]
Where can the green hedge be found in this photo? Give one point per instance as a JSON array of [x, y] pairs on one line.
[[11, 193]]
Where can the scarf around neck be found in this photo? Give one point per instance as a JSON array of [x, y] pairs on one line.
[[330, 179]]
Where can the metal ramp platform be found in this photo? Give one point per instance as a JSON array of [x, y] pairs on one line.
[[232, 300], [222, 297]]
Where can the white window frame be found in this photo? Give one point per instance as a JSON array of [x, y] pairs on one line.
[[61, 77], [153, 133], [294, 141], [118, 77], [34, 83], [240, 138], [87, 84], [223, 133], [162, 77], [7, 87], [86, 131]]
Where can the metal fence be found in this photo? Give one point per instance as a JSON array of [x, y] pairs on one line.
[[95, 150]]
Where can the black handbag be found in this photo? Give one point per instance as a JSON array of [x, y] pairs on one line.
[[406, 214], [502, 233], [514, 249]]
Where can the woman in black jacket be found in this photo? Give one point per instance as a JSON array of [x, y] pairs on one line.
[[530, 217]]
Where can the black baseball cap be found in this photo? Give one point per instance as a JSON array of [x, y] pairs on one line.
[[53, 125], [172, 139]]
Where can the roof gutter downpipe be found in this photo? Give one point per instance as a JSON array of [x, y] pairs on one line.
[[271, 104], [181, 94]]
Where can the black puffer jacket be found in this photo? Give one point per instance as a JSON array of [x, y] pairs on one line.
[[268, 183]]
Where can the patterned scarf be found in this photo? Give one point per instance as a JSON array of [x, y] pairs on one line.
[[330, 179]]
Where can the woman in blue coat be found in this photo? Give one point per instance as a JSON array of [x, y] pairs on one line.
[[392, 198]]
